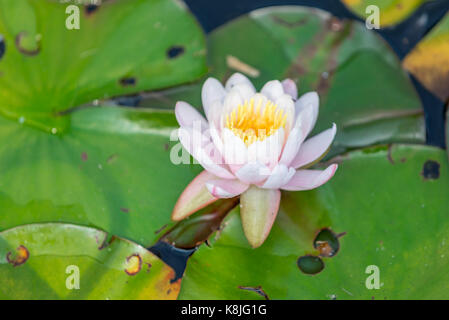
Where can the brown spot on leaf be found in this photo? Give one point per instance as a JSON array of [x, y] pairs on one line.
[[133, 264], [84, 156], [431, 170], [124, 210], [335, 24], [19, 257], [20, 47], [257, 290], [112, 158], [289, 24]]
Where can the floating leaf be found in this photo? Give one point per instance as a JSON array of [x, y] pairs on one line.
[[429, 60], [387, 207], [63, 261], [360, 80], [111, 170], [391, 12], [121, 47]]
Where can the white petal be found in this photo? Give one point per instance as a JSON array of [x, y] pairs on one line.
[[297, 136], [234, 149], [238, 79], [187, 116], [290, 88], [232, 100], [313, 148], [286, 103], [268, 150], [310, 179], [215, 135], [246, 91], [279, 176], [222, 188], [196, 144], [309, 100], [212, 91], [272, 90], [253, 173]]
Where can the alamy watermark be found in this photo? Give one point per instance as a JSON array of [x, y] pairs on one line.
[[373, 19]]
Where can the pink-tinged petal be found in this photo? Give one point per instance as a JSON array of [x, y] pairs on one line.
[[238, 79], [196, 144], [280, 176], [272, 90], [310, 179], [253, 173], [309, 100], [297, 136], [221, 188], [258, 210], [212, 91], [194, 197], [290, 88], [187, 115], [313, 148]]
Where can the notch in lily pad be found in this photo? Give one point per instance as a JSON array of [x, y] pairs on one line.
[[326, 242]]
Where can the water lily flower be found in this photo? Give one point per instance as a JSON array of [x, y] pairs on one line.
[[251, 145]]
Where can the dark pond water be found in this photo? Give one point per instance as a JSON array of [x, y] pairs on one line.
[[402, 38]]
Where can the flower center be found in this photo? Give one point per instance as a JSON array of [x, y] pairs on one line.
[[253, 123]]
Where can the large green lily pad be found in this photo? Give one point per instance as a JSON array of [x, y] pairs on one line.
[[111, 170], [63, 261], [362, 86], [389, 207], [121, 47]]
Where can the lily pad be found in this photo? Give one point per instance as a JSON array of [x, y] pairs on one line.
[[121, 47], [111, 170], [362, 86], [393, 222], [429, 60], [391, 12], [63, 261]]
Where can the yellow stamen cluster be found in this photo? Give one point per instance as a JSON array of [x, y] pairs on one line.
[[253, 123]]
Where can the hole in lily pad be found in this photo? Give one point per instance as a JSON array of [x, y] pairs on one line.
[[310, 264], [326, 242], [175, 52], [128, 81], [431, 170], [28, 44], [2, 46], [90, 8]]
